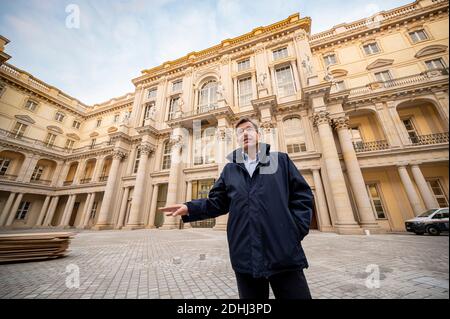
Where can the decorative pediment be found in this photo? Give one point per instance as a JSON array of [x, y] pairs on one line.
[[379, 63], [55, 129], [25, 118], [73, 136], [112, 129], [93, 134], [431, 49], [339, 72]]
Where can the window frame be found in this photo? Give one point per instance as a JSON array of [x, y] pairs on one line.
[[380, 198], [294, 86], [22, 211], [59, 116], [276, 56]]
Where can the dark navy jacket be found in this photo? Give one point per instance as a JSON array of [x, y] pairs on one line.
[[269, 213]]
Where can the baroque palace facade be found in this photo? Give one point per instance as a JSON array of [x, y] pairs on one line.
[[362, 109]]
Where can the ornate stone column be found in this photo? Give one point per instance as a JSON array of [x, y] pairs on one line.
[[425, 192], [68, 211], [346, 223], [63, 175], [87, 211], [57, 173], [413, 197], [153, 205], [51, 211], [189, 198], [43, 211], [224, 137], [176, 143], [104, 217], [7, 208], [355, 175], [12, 212], [135, 221], [123, 208], [322, 209]]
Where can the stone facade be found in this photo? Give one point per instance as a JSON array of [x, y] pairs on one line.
[[362, 109]]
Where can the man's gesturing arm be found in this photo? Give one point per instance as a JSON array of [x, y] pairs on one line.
[[215, 205]]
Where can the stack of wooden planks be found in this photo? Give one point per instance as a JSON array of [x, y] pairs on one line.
[[33, 246]]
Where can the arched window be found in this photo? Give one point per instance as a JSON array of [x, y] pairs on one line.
[[294, 135], [166, 162], [208, 96]]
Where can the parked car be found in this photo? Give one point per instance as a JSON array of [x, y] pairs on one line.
[[433, 221]]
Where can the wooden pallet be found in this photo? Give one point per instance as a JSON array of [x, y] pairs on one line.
[[33, 246]]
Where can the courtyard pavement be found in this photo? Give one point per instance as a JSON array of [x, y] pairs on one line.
[[168, 264]]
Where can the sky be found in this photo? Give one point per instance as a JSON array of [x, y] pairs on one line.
[[92, 49]]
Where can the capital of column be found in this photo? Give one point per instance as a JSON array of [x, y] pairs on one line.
[[118, 154], [321, 117], [146, 149], [267, 127], [341, 123]]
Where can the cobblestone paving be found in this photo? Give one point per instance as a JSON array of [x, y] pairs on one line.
[[167, 264]]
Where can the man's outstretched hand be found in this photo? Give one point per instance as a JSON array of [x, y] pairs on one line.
[[175, 210]]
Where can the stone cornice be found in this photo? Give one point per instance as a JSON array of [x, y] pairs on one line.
[[366, 27], [229, 46]]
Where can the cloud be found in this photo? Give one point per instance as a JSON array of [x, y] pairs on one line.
[[117, 39]]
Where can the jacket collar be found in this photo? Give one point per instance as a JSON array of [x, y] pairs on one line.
[[263, 154]]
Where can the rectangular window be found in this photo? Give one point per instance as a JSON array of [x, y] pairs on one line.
[[22, 211], [435, 64], [285, 81], [383, 76], [37, 173], [76, 124], [173, 107], [377, 203], [412, 132], [371, 48], [136, 161], [166, 163], [59, 116], [99, 122], [31, 105], [296, 148], [50, 140], [152, 93], [93, 142], [438, 192], [19, 130], [93, 210], [244, 65], [329, 59], [116, 118], [148, 110], [177, 86], [245, 91], [4, 164], [280, 53], [417, 36], [69, 144]]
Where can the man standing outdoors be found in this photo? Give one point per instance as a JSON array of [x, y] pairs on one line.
[[270, 208]]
